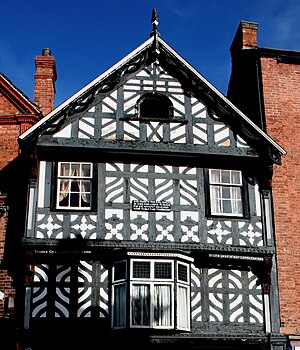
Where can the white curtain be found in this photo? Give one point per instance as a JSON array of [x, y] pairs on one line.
[[215, 192], [215, 199], [85, 184], [225, 199], [64, 186], [162, 305], [182, 307], [76, 170], [141, 305], [236, 200]]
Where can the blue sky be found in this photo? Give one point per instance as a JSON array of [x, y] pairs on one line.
[[88, 37]]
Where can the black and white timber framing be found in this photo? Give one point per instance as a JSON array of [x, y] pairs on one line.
[[151, 196]]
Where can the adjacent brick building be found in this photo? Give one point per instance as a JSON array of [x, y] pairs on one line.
[[17, 114], [265, 84]]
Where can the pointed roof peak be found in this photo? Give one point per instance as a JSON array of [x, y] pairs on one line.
[[154, 21]]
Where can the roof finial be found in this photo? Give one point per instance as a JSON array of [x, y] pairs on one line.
[[154, 21]]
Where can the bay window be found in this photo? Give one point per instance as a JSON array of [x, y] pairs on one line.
[[156, 292]]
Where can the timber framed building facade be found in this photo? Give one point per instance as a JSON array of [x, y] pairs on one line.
[[149, 217]]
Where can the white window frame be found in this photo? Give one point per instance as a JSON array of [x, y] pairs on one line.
[[234, 189], [153, 283], [119, 291], [65, 181], [180, 292], [183, 309]]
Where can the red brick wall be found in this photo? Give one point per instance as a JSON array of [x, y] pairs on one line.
[[5, 280], [13, 121], [281, 89], [6, 107], [9, 133], [17, 114], [8, 143]]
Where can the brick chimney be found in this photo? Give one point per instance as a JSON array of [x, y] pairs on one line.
[[45, 78], [243, 77], [245, 37]]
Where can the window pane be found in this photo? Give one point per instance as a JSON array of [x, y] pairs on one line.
[[182, 307], [215, 199], [120, 271], [85, 193], [182, 273], [74, 186], [163, 270], [74, 199], [215, 176], [225, 176], [75, 170], [162, 305], [226, 193], [63, 194], [119, 306], [226, 204], [140, 305], [237, 207], [236, 177], [64, 169], [85, 200], [141, 269], [236, 193], [85, 170]]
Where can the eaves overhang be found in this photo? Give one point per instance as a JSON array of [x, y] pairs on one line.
[[219, 106], [284, 56], [281, 55], [155, 49], [78, 96]]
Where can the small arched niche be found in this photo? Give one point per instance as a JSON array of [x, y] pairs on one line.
[[154, 106]]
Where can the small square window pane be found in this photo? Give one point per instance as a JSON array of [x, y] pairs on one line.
[[226, 193], [163, 270], [86, 170], [64, 169], [141, 269], [75, 169], [215, 176], [226, 176]]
